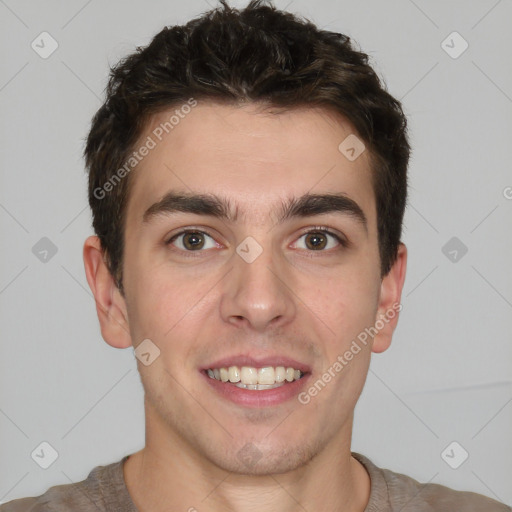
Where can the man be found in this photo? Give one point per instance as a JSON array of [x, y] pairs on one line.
[[247, 178]]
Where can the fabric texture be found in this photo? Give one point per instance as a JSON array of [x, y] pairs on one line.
[[104, 490]]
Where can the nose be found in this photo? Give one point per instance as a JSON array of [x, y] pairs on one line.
[[258, 294]]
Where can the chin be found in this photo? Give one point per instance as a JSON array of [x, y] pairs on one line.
[[256, 460]]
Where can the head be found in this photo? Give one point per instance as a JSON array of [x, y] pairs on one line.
[[235, 125]]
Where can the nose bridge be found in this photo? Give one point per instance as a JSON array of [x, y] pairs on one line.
[[256, 293]]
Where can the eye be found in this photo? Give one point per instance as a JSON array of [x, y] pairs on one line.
[[320, 239], [192, 240]]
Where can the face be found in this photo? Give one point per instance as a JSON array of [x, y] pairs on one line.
[[275, 265]]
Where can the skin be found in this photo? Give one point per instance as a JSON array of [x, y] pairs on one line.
[[294, 301]]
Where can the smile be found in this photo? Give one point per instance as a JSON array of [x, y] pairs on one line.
[[256, 379]]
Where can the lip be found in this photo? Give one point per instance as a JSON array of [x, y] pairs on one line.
[[255, 398], [258, 362]]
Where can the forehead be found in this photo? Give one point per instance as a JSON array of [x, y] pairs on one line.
[[249, 154]]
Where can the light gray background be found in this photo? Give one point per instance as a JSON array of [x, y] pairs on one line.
[[447, 376]]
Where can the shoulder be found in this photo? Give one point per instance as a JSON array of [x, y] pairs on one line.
[[400, 491], [26, 505], [59, 498], [84, 496]]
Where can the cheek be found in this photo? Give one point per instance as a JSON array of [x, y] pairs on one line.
[[345, 303], [167, 304]]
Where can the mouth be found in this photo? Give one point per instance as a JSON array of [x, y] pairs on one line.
[[255, 379], [252, 383]]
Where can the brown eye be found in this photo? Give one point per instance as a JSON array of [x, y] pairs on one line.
[[320, 240], [192, 241], [316, 241]]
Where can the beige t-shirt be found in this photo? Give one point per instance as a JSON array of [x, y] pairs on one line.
[[104, 490]]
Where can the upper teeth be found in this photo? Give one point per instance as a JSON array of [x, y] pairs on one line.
[[251, 375]]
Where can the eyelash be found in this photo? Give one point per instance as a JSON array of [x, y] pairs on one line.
[[316, 229]]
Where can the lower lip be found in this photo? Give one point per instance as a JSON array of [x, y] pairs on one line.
[[257, 398]]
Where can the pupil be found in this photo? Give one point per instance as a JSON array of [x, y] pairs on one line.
[[193, 241], [316, 240]]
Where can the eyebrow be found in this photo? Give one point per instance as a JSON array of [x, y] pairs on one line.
[[213, 205]]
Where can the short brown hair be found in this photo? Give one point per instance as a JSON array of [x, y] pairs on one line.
[[258, 54]]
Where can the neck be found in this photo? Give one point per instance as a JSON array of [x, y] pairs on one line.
[[167, 474]]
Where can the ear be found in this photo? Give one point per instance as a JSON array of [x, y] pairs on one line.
[[389, 301], [110, 304]]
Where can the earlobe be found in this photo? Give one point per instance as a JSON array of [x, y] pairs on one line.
[[389, 302], [110, 304]]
